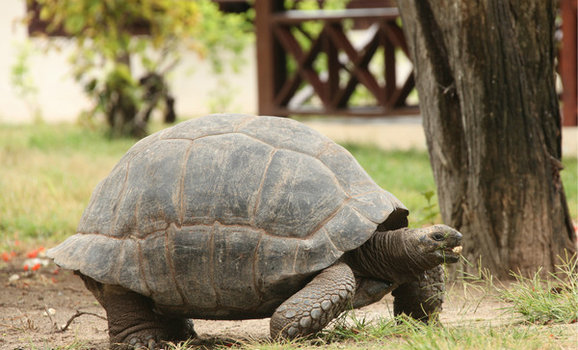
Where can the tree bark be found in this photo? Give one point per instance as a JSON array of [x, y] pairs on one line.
[[485, 77]]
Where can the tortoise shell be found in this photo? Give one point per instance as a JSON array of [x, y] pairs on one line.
[[225, 216]]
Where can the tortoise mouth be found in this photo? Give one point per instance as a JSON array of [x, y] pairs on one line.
[[450, 254]]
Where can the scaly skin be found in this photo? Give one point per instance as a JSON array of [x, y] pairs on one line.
[[313, 307], [421, 299], [132, 323]]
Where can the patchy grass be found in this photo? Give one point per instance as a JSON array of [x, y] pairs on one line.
[[48, 173], [550, 300], [406, 174], [570, 180], [406, 334]]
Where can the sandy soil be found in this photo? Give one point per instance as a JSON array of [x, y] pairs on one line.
[[36, 306]]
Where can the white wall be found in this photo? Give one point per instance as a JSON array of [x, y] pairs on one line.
[[60, 98]]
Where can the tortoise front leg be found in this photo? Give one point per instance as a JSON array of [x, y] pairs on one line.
[[370, 291], [421, 299], [313, 307], [132, 323]]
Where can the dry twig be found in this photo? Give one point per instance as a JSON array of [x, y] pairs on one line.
[[72, 318]]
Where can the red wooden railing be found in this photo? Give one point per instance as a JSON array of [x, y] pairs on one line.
[[304, 73], [288, 79]]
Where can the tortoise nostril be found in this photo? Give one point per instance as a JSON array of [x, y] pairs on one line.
[[459, 236]]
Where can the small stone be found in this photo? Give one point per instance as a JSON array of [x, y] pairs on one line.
[[325, 305], [49, 312], [305, 322], [15, 277], [316, 314]]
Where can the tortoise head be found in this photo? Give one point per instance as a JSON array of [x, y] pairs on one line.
[[402, 254], [436, 244]]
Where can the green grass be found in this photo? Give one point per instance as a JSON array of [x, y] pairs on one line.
[[407, 334], [48, 173], [570, 180], [545, 300], [406, 174], [404, 333]]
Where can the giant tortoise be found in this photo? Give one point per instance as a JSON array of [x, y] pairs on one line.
[[232, 217]]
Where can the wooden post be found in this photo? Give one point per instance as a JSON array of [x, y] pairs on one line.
[[270, 57], [568, 59]]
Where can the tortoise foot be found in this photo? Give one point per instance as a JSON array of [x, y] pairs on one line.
[[153, 336], [140, 342]]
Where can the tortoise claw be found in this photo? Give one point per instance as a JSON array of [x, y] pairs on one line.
[[148, 342]]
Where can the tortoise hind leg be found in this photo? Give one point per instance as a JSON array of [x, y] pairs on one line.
[[132, 323], [421, 299]]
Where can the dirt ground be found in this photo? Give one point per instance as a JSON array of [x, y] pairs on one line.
[[36, 306]]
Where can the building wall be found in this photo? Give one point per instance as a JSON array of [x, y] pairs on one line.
[[196, 88]]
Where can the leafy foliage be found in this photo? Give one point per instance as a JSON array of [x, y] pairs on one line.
[[112, 36], [22, 81]]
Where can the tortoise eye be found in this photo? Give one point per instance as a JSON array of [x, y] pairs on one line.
[[438, 236]]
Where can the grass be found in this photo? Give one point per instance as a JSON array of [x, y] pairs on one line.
[[406, 174], [550, 300], [48, 173], [406, 334]]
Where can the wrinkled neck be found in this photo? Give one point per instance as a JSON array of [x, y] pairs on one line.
[[389, 256]]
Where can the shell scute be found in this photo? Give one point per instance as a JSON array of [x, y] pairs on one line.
[[192, 266], [284, 133], [293, 203], [222, 179]]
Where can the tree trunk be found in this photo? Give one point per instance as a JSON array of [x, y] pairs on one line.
[[485, 78]]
